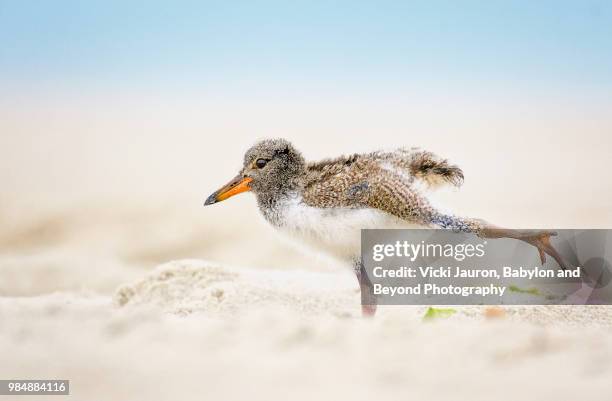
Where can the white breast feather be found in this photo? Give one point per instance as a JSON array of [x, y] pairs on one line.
[[334, 231]]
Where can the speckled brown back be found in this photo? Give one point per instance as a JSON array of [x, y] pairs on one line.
[[380, 180]]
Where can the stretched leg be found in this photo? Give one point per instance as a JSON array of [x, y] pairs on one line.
[[368, 300], [538, 238]]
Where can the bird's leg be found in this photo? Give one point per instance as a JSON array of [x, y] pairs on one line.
[[368, 300], [538, 238]]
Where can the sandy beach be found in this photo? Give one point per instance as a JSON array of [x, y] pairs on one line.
[[83, 299], [119, 119]]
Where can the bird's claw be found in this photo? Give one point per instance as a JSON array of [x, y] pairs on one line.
[[541, 240]]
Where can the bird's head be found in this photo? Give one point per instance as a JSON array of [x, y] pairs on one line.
[[271, 166]]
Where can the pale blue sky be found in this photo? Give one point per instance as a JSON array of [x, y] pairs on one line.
[[561, 44]]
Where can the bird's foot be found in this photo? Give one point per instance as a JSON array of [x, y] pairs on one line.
[[541, 240], [368, 310]]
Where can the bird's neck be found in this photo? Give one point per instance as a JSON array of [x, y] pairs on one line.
[[272, 198]]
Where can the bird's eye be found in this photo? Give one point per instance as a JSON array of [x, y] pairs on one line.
[[261, 163]]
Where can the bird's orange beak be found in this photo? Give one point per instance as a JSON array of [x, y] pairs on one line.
[[234, 187]]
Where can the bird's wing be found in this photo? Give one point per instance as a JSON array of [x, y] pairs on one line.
[[371, 180], [421, 165], [410, 164]]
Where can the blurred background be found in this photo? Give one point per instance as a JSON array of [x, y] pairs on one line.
[[117, 119]]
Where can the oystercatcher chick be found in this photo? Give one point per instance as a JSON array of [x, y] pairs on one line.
[[325, 204]]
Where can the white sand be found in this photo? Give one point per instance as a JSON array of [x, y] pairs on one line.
[[194, 330], [79, 299]]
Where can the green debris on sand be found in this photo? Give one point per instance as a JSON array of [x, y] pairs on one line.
[[531, 291], [438, 313]]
